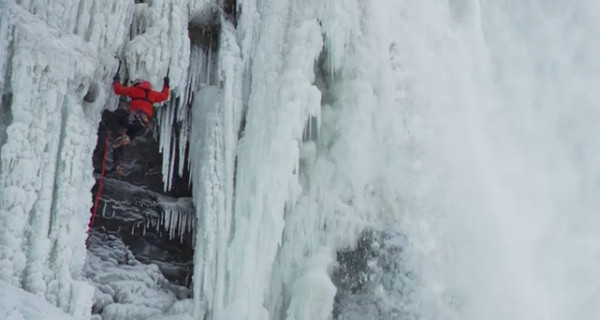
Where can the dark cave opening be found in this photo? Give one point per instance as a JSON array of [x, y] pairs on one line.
[[134, 206]]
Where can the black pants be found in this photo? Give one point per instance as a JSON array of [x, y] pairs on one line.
[[121, 120], [115, 122]]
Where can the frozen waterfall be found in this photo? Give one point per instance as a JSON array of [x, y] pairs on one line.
[[348, 159]]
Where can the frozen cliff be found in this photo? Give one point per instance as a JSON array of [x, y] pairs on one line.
[[323, 159]]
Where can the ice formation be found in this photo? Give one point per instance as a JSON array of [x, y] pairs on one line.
[[18, 304], [140, 208], [177, 222], [135, 290], [49, 135], [468, 127]]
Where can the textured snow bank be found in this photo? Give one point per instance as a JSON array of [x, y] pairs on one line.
[[18, 304], [313, 293], [127, 289]]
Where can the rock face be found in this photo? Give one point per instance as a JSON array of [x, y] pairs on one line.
[[156, 226]]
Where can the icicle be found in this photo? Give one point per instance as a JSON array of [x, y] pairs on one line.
[[167, 223], [176, 224], [104, 205], [173, 226], [185, 223], [175, 143], [166, 219], [158, 222], [183, 137], [171, 168], [166, 140], [180, 227], [176, 227], [207, 75]]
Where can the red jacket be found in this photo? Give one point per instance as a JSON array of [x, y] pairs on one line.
[[142, 97]]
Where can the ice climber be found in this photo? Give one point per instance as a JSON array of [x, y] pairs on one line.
[[136, 120]]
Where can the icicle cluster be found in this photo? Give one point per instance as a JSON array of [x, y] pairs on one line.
[[178, 223], [177, 218], [174, 120], [162, 42]]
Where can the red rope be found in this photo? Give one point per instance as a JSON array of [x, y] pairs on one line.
[[99, 186]]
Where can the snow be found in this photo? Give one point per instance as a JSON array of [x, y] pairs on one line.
[[18, 304], [314, 288], [126, 288]]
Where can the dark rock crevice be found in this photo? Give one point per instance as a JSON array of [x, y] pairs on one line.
[[134, 206]]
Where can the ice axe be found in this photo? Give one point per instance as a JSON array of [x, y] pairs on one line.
[[166, 78], [117, 77]]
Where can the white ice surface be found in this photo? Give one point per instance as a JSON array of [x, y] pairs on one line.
[[467, 125], [45, 159], [18, 304]]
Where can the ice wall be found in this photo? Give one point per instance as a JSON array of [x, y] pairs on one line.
[[465, 125], [54, 53], [267, 235], [266, 74]]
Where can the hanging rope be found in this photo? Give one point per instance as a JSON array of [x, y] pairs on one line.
[[99, 185]]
